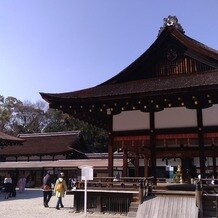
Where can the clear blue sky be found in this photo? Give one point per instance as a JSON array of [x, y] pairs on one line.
[[65, 45]]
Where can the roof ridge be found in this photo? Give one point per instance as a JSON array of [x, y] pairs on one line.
[[202, 45], [50, 134]]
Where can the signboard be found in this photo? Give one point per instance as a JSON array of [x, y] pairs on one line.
[[87, 172]]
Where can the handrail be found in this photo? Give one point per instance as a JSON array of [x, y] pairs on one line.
[[143, 184], [203, 189], [198, 197]]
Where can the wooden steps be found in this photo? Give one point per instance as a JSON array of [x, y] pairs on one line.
[[169, 204], [210, 201], [210, 206], [133, 209]]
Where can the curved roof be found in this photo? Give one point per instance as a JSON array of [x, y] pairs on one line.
[[44, 144], [147, 87], [6, 139], [128, 82], [193, 72]]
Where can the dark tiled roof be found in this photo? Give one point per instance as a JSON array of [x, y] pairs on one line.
[[128, 82], [166, 37], [44, 144], [203, 45], [148, 87], [6, 139]]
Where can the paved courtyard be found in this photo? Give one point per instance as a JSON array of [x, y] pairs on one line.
[[29, 204]]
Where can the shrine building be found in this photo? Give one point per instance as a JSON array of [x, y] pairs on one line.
[[160, 111]]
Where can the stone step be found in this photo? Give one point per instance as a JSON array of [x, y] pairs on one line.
[[133, 206], [132, 209], [131, 214]]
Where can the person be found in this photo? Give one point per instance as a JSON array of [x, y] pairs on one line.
[[47, 188], [7, 186], [21, 184], [13, 186], [73, 184], [117, 177], [60, 189]]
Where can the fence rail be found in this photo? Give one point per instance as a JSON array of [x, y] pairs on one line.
[[108, 195]]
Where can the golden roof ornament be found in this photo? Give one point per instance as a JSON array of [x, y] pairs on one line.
[[171, 21]]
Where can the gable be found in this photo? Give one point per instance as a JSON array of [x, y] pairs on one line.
[[172, 53], [175, 61]]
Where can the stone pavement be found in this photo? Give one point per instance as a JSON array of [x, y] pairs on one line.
[[30, 204]]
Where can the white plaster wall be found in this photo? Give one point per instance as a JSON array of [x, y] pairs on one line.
[[176, 117], [130, 120], [160, 162], [168, 118], [171, 162], [210, 116]]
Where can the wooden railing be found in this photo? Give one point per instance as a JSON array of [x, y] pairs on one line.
[[124, 183], [107, 195], [207, 197]]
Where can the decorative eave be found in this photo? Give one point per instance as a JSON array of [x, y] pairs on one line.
[[94, 105], [149, 88]]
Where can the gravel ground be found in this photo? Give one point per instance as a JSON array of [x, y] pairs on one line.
[[30, 204]]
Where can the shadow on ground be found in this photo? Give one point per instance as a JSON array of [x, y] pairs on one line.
[[27, 194]]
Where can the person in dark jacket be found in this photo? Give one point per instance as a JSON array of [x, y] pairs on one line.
[[47, 188], [13, 188], [7, 185]]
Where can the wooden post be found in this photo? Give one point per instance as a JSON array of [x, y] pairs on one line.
[[198, 196], [141, 193], [110, 156], [145, 167], [98, 209], [153, 145], [201, 142], [214, 167], [125, 157], [136, 162]]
